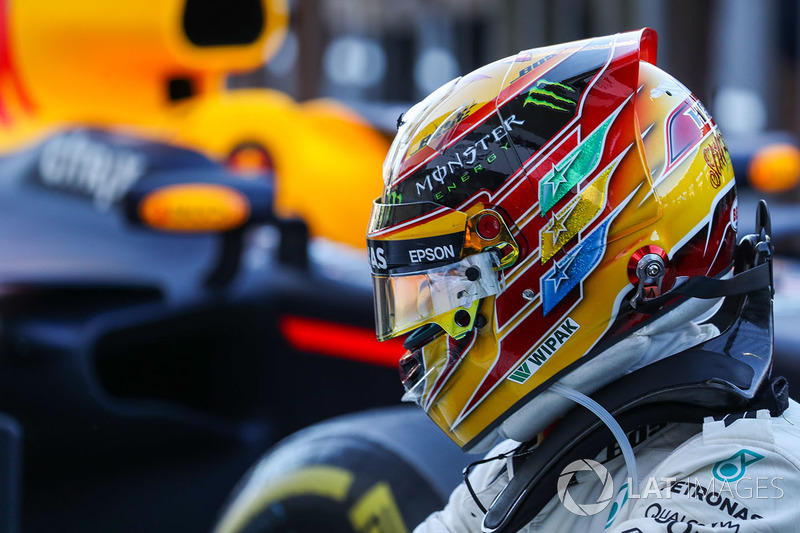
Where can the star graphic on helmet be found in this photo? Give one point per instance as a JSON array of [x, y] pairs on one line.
[[556, 225], [557, 176], [558, 276], [560, 272]]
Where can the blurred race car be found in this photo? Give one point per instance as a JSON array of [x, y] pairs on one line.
[[157, 337], [157, 69], [167, 309]]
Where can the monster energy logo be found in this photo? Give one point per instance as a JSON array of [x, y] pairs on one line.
[[538, 95], [394, 197]]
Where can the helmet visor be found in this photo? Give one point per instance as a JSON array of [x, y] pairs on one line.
[[408, 300]]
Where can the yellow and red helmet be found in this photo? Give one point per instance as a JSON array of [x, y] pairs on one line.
[[529, 209]]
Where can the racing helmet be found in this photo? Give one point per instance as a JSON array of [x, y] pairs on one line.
[[532, 212]]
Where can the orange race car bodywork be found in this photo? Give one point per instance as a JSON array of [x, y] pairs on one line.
[[157, 68]]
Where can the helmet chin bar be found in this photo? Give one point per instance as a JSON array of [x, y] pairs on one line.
[[727, 374]]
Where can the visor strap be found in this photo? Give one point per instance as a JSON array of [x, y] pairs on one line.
[[753, 279]]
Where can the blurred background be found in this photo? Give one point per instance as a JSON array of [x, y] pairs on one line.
[[184, 190], [738, 57]]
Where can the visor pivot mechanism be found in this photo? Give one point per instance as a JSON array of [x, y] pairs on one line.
[[462, 318], [473, 273], [489, 226]]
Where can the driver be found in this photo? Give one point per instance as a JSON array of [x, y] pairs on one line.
[[556, 243]]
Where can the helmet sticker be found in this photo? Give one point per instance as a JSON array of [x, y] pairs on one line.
[[668, 87], [542, 352], [420, 253], [441, 135], [528, 56], [543, 93], [484, 151], [717, 158]]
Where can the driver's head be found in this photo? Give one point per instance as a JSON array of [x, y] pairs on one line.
[[529, 208]]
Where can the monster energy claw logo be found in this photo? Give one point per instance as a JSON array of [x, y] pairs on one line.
[[394, 197], [545, 97], [391, 198]]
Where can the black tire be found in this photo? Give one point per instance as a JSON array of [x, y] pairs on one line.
[[382, 471]]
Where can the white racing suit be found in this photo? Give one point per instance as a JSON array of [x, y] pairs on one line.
[[737, 474]]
